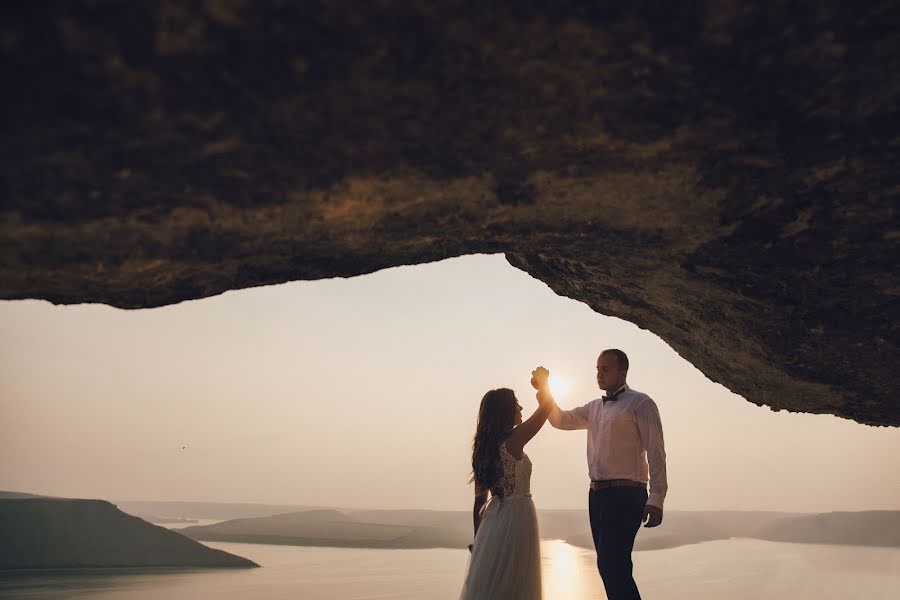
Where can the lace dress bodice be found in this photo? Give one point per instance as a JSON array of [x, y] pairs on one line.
[[506, 552], [515, 475]]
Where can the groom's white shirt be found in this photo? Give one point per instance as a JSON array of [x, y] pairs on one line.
[[624, 441]]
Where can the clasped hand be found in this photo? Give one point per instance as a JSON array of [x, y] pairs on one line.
[[540, 380]]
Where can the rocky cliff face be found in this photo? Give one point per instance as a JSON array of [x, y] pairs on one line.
[[723, 175]]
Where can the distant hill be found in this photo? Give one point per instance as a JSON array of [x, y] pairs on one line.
[[453, 529], [165, 520], [204, 510], [681, 528], [867, 528], [38, 532], [9, 495], [329, 528], [316, 526]]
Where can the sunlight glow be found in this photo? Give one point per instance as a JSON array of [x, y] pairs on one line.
[[563, 558], [558, 386], [568, 571]]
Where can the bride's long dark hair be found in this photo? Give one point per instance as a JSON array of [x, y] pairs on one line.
[[495, 420]]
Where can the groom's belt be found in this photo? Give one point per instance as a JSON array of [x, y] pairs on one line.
[[602, 484]]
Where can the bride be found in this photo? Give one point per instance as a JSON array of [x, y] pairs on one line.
[[506, 561]]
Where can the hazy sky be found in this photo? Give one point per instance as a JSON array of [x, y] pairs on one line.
[[364, 392]]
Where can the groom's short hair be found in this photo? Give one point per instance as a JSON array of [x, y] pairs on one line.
[[621, 357]]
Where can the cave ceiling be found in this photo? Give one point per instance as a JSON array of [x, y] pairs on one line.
[[723, 174]]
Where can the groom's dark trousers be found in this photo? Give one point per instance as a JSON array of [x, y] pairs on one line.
[[616, 515]]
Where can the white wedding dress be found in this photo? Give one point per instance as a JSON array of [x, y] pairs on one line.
[[506, 554]]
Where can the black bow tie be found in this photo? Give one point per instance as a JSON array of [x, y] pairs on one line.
[[614, 397]]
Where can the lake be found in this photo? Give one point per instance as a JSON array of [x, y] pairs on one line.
[[737, 569]]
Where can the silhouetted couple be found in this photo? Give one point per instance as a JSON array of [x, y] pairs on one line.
[[625, 451]]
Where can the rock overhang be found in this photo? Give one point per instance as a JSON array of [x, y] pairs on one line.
[[722, 175]]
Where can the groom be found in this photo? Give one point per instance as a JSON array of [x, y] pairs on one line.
[[624, 435]]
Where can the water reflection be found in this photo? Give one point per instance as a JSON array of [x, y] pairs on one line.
[[737, 569], [569, 572]]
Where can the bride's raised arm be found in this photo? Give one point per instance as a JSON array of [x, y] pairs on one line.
[[522, 434]]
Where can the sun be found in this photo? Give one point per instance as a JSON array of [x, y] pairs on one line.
[[558, 386]]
